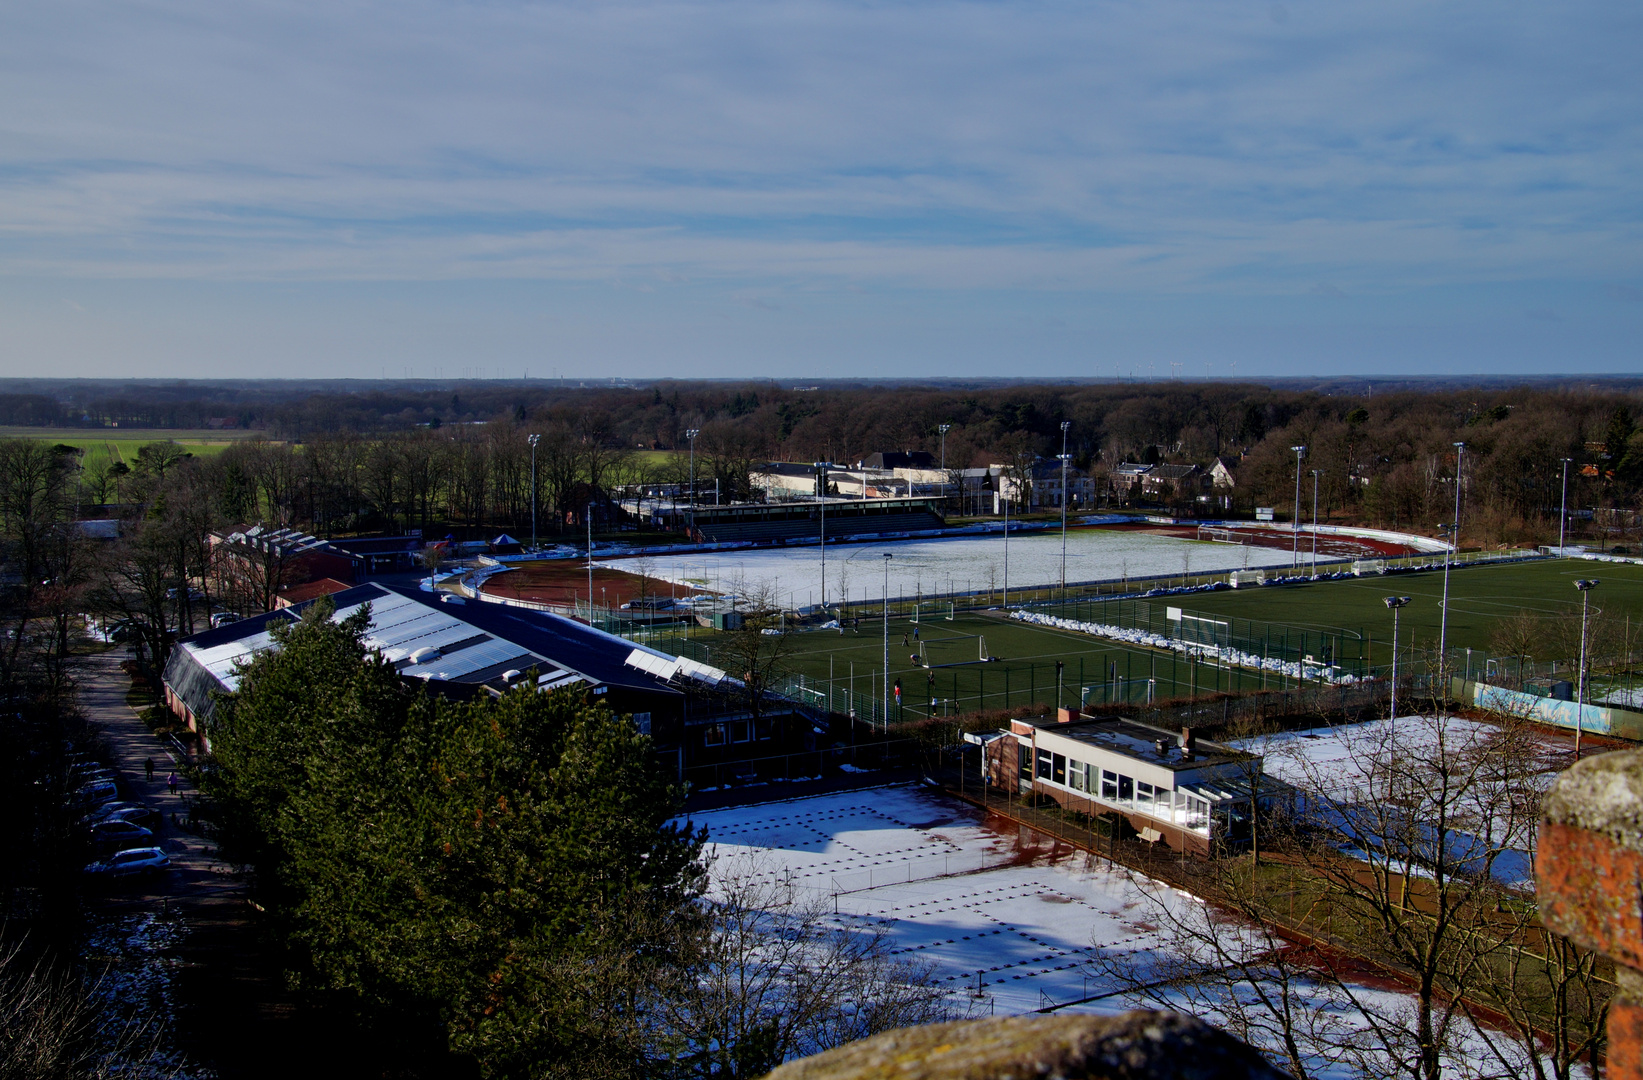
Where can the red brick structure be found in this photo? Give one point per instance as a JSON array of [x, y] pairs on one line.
[[1590, 882]]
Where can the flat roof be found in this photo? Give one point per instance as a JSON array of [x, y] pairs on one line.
[[1133, 739]]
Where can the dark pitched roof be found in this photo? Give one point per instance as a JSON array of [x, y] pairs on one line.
[[901, 459]]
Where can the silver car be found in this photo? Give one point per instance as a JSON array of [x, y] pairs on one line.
[[131, 862]]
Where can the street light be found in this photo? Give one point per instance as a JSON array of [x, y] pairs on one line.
[[691, 435], [1585, 586], [1065, 424], [1563, 513], [885, 689], [1295, 553], [943, 428], [1315, 473], [821, 468], [1396, 603], [533, 440]]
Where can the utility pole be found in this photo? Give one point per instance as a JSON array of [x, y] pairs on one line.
[[1295, 547], [533, 440], [884, 690], [1563, 513], [691, 435], [1315, 473], [1585, 586], [1065, 424]]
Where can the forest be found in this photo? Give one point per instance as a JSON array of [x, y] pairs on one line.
[[385, 459]]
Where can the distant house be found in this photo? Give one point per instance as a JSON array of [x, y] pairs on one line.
[[901, 459], [1221, 476], [1170, 482]]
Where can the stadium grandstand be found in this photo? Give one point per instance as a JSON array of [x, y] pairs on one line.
[[801, 522]]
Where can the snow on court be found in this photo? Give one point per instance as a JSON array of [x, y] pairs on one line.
[[959, 563], [1022, 911]]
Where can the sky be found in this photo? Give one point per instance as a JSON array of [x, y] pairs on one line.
[[803, 189]]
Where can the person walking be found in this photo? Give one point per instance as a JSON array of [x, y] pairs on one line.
[[148, 769], [171, 782]]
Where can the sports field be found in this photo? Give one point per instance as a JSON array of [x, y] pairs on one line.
[[1477, 597], [1298, 619]]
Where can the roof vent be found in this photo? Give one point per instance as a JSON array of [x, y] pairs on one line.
[[426, 655], [511, 674]]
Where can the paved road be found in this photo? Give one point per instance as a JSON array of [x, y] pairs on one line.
[[196, 872]]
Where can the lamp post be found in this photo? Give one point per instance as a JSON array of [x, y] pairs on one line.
[[885, 689], [821, 468], [691, 435], [1396, 603], [1065, 424], [533, 440], [1315, 473], [943, 428], [1443, 606], [1563, 512], [1585, 585], [1460, 461], [1006, 543], [1295, 547]]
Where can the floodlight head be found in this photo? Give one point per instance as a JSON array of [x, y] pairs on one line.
[[1395, 602], [1298, 449], [1587, 583], [944, 428], [1459, 445], [691, 433], [533, 439], [1065, 424]]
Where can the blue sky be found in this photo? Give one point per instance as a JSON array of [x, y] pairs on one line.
[[803, 189]]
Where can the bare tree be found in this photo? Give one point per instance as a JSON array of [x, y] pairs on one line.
[[779, 975]]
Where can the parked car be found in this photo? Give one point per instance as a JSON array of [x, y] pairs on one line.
[[223, 618], [96, 793], [146, 816], [120, 834], [130, 862]]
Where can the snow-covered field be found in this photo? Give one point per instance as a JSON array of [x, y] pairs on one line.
[[1010, 913], [1022, 912], [960, 563]]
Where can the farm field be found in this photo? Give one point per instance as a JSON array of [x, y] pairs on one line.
[[121, 444]]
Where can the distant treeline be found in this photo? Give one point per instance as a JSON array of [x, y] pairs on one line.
[[1388, 458]]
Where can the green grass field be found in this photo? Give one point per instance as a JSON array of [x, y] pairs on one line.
[[121, 444], [1477, 597], [1334, 613]]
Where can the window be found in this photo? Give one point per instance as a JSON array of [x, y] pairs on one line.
[[1058, 769], [765, 728], [1143, 795], [714, 735], [1109, 785], [1126, 789], [1075, 775], [1024, 760], [741, 731], [641, 720], [1044, 764]]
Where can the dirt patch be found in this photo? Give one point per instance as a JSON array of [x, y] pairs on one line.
[[564, 581]]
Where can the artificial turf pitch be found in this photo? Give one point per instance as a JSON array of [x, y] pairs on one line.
[[1025, 672]]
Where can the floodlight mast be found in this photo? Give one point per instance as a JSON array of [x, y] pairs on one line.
[[821, 468], [1396, 603], [533, 440], [1065, 424], [1315, 473], [1449, 558], [691, 435], [1585, 586], [944, 428], [1563, 511], [885, 689], [1295, 527]]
